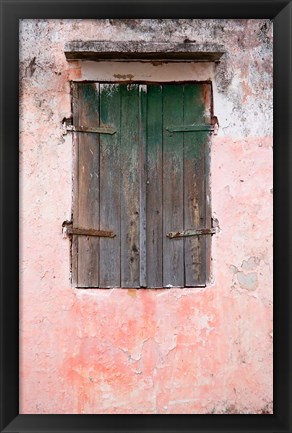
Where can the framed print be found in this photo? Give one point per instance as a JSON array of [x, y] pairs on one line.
[[145, 216]]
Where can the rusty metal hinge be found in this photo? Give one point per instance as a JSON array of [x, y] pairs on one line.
[[193, 127], [69, 230], [197, 232], [102, 129], [190, 128]]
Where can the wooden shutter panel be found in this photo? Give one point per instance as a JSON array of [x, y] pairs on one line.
[[110, 186], [86, 212], [130, 186], [173, 255], [154, 215], [197, 109], [177, 184], [145, 180]]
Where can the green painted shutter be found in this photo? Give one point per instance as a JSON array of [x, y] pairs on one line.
[[154, 187], [145, 180]]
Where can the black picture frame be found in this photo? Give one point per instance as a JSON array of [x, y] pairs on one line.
[[281, 13]]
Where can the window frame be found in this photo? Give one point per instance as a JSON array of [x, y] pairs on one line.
[[73, 244]]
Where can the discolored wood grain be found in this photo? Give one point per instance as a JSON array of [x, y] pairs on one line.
[[143, 107], [88, 185], [154, 186], [173, 256], [110, 186], [194, 218], [130, 186]]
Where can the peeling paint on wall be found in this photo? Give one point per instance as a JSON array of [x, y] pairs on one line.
[[204, 350]]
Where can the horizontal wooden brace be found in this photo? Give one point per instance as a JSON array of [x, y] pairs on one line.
[[90, 232], [94, 130], [190, 128], [198, 232]]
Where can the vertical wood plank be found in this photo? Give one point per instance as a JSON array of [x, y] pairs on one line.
[[143, 138], [130, 186], [196, 110], [154, 187], [173, 257], [110, 186], [88, 185], [207, 101], [75, 169]]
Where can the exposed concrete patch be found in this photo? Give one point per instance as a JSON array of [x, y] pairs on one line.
[[250, 264], [247, 281]]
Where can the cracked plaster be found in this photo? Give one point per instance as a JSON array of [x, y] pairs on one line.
[[205, 350]]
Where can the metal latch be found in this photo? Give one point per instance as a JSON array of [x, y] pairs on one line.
[[69, 230], [198, 232]]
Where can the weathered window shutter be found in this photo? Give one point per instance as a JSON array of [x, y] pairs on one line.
[[86, 215], [142, 174], [110, 186]]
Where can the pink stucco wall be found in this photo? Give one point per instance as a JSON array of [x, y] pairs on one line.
[[206, 350]]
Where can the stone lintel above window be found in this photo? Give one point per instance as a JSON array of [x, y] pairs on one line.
[[138, 50]]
